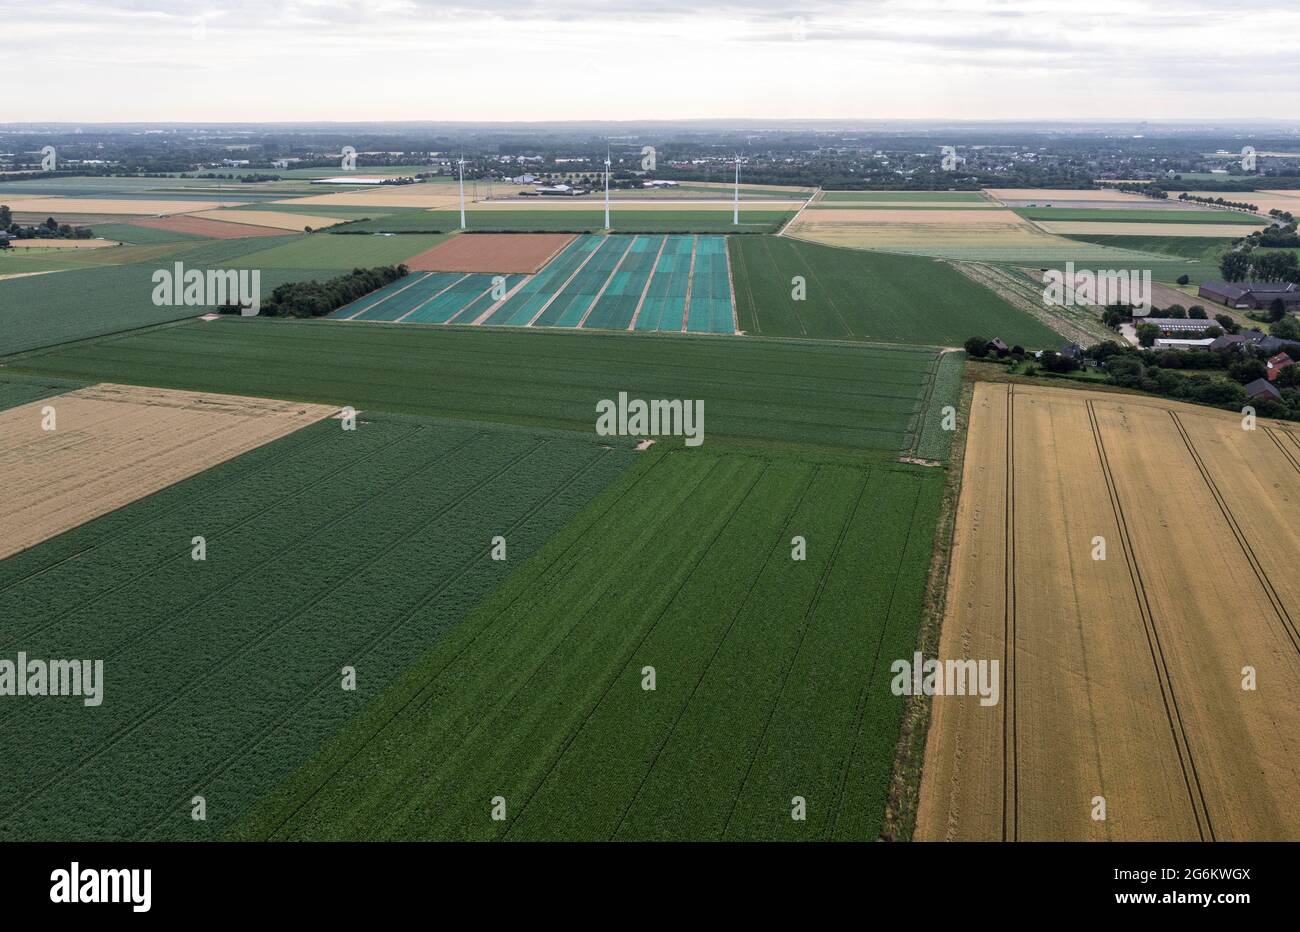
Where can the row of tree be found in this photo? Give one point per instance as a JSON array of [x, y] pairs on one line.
[[316, 299]]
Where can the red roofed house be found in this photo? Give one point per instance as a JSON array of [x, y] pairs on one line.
[[1277, 363]]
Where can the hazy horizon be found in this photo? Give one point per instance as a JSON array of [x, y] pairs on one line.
[[505, 61]]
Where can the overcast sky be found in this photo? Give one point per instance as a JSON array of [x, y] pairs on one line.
[[252, 60]]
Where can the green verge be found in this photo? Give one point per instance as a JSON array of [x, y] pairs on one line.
[[1165, 215], [18, 389], [860, 295], [541, 220], [770, 673], [319, 251], [782, 393], [325, 549], [934, 442]]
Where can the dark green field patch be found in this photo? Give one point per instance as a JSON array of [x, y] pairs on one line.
[[790, 392], [770, 674], [1165, 215], [326, 549], [859, 295], [541, 220]]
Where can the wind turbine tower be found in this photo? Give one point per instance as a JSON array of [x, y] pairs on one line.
[[735, 213], [462, 192], [607, 189]]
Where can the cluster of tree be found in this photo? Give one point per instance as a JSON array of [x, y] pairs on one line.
[[1284, 215], [1159, 372], [245, 179], [1218, 201], [316, 299], [50, 229], [1245, 263], [1149, 189]]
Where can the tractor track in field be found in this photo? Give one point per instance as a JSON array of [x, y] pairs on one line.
[[1279, 607], [425, 599], [1173, 715], [147, 714], [416, 695]]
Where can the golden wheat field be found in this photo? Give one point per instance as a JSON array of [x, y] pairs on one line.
[[1159, 684]]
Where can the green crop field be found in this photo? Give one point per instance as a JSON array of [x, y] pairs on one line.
[[130, 233], [1166, 215], [1186, 247], [18, 389], [319, 251], [328, 548], [783, 392], [45, 310], [770, 674], [539, 219], [860, 295]]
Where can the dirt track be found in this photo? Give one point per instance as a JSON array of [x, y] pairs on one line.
[[1122, 677], [113, 444]]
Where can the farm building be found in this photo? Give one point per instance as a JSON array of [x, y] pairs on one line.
[[1262, 388], [1172, 326], [1251, 295], [1276, 364], [1177, 343]]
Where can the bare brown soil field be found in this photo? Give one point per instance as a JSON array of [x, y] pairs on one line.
[[215, 229], [1122, 677], [275, 219], [113, 444], [525, 253]]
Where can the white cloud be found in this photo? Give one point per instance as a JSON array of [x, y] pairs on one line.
[[670, 59]]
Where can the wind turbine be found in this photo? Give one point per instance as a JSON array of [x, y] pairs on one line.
[[607, 188], [462, 192], [735, 214]]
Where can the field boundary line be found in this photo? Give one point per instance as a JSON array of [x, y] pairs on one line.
[[663, 241], [690, 282], [568, 281], [253, 517], [816, 194], [432, 297], [488, 626], [483, 722], [1281, 447], [1010, 759], [717, 647], [809, 618], [609, 278], [650, 629], [152, 712], [1279, 607], [355, 314], [420, 605], [749, 290], [1178, 730]]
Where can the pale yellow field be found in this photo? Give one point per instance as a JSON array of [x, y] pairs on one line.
[[1107, 228], [916, 229], [113, 444], [1264, 200], [270, 218], [1122, 676], [413, 196], [1066, 194], [62, 243], [60, 207]]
